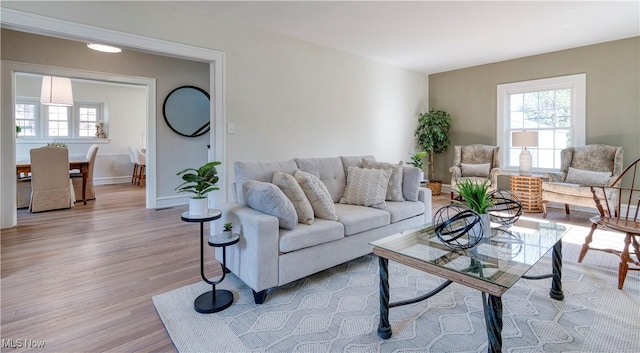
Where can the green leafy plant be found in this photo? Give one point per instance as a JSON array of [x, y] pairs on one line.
[[199, 181], [432, 134], [228, 227], [416, 159], [55, 143], [18, 129], [475, 195]]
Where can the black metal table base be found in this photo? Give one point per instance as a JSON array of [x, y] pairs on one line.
[[206, 303]]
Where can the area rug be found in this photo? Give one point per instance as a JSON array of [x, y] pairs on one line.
[[337, 311]]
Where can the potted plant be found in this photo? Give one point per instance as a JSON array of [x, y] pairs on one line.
[[200, 182], [416, 161], [227, 230], [18, 130], [476, 197], [55, 143], [432, 135]]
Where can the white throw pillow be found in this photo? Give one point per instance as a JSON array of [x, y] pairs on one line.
[[475, 170], [290, 187], [268, 198], [366, 187], [587, 177], [318, 195], [394, 188]]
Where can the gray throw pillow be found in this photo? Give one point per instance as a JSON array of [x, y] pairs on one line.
[[394, 188], [318, 195], [587, 177], [268, 198], [411, 178], [366, 187], [290, 187], [475, 170]]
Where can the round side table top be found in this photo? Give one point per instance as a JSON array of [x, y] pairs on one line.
[[218, 240], [209, 216]]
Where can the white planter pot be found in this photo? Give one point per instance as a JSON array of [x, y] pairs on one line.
[[227, 234], [198, 207]]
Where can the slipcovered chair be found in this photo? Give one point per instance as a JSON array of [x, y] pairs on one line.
[[581, 167], [51, 186], [23, 192], [77, 177], [477, 162]]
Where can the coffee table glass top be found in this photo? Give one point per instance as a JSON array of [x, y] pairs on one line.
[[501, 259]]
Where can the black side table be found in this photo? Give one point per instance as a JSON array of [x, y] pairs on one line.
[[214, 300]]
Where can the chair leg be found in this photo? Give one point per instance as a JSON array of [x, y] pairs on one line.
[[544, 209], [624, 261], [587, 240], [566, 207], [142, 177], [134, 176]]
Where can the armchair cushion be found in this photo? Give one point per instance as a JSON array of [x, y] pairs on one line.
[[366, 187], [268, 198], [475, 170], [587, 177]]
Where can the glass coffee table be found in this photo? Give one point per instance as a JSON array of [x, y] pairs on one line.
[[492, 266]]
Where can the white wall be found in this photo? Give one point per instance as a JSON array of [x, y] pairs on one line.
[[125, 110], [287, 97]]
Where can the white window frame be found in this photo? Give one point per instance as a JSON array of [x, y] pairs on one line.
[[46, 121], [38, 119], [76, 115], [578, 85]]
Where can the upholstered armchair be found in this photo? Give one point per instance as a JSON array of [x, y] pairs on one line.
[[477, 162], [581, 167]]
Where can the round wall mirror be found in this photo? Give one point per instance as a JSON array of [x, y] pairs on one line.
[[186, 111]]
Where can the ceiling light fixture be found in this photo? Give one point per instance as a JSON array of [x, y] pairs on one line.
[[56, 91], [103, 48]]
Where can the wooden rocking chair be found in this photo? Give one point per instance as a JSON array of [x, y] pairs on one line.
[[620, 215]]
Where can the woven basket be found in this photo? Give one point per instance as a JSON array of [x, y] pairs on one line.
[[435, 186]]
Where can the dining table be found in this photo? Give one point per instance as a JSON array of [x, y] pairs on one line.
[[82, 164]]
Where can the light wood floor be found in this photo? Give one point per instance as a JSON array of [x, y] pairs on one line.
[[82, 279]]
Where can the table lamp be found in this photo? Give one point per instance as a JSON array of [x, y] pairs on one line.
[[524, 139]]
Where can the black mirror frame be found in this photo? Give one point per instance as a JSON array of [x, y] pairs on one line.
[[200, 131]]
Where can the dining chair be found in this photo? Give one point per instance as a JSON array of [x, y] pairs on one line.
[[619, 213], [23, 192], [132, 158], [51, 186], [77, 177], [141, 160]]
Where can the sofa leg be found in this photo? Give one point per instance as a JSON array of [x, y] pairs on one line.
[[544, 209], [259, 297], [566, 207]]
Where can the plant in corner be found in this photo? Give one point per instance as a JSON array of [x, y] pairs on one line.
[[200, 182], [432, 135]]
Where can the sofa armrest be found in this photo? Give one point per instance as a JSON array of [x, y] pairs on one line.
[[255, 258], [424, 196], [493, 175]]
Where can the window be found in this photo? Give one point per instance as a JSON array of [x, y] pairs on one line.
[[553, 107], [48, 121]]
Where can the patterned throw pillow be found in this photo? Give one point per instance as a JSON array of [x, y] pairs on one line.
[[587, 177], [268, 198], [366, 187], [475, 170], [394, 188], [289, 185], [317, 194]]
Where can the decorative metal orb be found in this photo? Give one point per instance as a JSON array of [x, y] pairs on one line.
[[507, 244], [506, 208], [457, 226]]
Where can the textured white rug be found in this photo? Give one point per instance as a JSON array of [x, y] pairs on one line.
[[337, 311]]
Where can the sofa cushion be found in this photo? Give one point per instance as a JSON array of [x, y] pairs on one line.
[[304, 236], [569, 189], [366, 187], [269, 199], [328, 170], [260, 171], [394, 187], [290, 187], [318, 195], [403, 210], [354, 161], [587, 177], [411, 178], [358, 219], [475, 170]]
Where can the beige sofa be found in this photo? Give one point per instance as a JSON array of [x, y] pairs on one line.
[[269, 256]]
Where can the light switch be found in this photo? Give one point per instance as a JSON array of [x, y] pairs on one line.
[[231, 128]]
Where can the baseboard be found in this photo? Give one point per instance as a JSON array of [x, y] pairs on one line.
[[112, 180]]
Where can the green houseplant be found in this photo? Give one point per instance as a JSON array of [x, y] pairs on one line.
[[417, 161], [199, 182], [476, 197], [432, 135], [227, 230]]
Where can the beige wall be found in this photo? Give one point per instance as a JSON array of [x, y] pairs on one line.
[[613, 95]]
